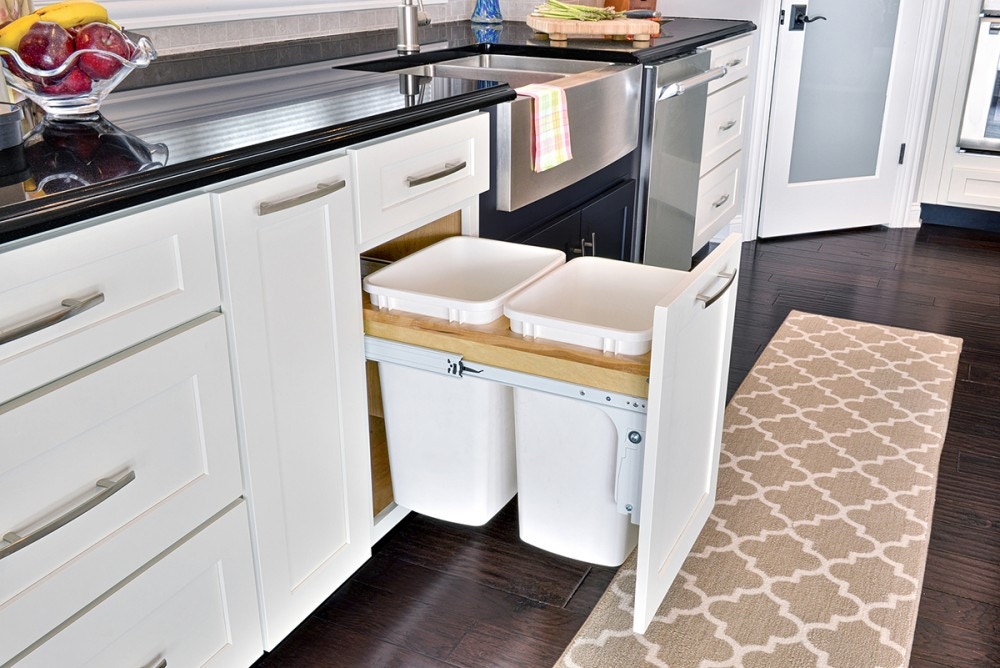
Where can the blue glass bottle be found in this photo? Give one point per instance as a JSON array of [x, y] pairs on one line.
[[487, 11]]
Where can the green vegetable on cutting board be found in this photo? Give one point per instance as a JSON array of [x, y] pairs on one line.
[[553, 9]]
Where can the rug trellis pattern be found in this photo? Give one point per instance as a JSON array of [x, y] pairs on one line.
[[814, 553]]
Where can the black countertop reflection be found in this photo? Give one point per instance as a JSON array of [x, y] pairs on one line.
[[188, 121]]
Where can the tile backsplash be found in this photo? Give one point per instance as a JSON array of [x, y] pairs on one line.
[[192, 38]]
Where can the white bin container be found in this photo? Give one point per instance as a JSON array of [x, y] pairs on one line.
[[568, 450], [451, 440]]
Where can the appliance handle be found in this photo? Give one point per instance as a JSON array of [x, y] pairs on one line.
[[681, 87]]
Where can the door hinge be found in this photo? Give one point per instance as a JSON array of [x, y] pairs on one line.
[[902, 152], [781, 17]]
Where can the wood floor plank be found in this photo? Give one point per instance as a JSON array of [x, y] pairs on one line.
[[954, 646], [964, 576], [316, 643], [980, 618]]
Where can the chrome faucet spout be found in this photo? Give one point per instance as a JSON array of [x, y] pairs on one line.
[[408, 17]]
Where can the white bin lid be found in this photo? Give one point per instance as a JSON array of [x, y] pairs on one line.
[[464, 279], [594, 302]]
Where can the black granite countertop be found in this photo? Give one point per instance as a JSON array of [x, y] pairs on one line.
[[189, 121]]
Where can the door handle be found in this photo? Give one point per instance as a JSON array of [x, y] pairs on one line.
[[800, 19], [680, 87]]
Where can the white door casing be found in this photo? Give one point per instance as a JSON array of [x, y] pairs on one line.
[[837, 200]]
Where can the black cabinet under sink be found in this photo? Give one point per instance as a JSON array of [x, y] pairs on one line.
[[601, 227], [601, 204]]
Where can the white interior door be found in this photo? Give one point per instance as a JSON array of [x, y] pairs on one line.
[[689, 369], [838, 114]]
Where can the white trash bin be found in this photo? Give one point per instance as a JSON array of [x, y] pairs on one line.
[[451, 440], [567, 449]]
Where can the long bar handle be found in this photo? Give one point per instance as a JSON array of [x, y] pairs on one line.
[[70, 308], [707, 301], [322, 190], [108, 489], [449, 169], [681, 87]]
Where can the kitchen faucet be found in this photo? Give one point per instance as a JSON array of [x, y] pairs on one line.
[[408, 17]]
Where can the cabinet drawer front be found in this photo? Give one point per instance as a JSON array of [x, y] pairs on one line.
[[155, 269], [162, 411], [980, 187], [195, 607], [718, 200], [723, 125], [404, 180], [735, 55]]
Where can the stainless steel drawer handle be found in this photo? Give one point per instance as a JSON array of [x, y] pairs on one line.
[[161, 664], [728, 125], [680, 87], [108, 489], [734, 62], [70, 308], [719, 202], [322, 190], [584, 245], [707, 301], [449, 169]]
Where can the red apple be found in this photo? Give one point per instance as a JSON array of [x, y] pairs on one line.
[[45, 46], [102, 37], [74, 83]]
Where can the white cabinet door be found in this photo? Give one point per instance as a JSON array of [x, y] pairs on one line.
[[692, 338], [292, 295]]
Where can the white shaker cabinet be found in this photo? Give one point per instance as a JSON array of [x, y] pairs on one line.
[[293, 304], [720, 189]]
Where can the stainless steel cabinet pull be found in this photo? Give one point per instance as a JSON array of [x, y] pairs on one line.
[[70, 308], [719, 202], [322, 190], [680, 87], [449, 168], [708, 301], [161, 664], [584, 245], [734, 62], [728, 125], [108, 489]]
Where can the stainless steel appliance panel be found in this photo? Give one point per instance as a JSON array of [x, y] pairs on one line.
[[672, 135], [981, 118]]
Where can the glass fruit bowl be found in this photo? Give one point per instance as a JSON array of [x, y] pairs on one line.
[[68, 91]]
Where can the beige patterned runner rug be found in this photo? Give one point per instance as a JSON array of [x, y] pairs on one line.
[[814, 553]]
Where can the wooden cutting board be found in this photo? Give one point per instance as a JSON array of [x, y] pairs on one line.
[[560, 29]]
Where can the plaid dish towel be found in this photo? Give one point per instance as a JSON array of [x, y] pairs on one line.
[[550, 125]]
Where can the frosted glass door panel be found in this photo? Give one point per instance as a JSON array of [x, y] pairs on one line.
[[842, 90]]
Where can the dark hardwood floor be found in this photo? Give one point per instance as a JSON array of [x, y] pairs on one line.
[[435, 594]]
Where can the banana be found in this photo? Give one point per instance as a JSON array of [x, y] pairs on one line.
[[11, 34], [73, 13]]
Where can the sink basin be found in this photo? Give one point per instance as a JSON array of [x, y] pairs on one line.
[[602, 100], [511, 77], [513, 70]]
